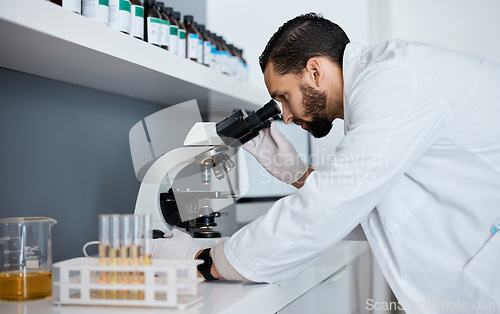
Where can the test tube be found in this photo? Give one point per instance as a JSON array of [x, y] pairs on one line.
[[148, 240], [103, 251], [104, 239], [114, 252], [126, 225], [126, 235], [135, 254]]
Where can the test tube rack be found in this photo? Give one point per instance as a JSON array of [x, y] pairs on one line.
[[166, 283]]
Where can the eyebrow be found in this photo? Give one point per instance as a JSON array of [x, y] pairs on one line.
[[276, 94]]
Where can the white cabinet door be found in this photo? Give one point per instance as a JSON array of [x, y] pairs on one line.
[[330, 296], [345, 292]]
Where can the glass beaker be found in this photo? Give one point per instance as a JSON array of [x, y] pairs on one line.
[[25, 258]]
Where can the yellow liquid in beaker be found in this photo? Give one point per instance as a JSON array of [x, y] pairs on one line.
[[20, 286]]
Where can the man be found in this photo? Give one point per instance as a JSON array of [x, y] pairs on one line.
[[426, 204]]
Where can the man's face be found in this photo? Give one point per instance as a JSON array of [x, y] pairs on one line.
[[304, 102]]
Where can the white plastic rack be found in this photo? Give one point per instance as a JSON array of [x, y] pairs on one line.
[[166, 283]]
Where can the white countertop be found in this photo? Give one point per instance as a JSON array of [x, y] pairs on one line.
[[223, 296]]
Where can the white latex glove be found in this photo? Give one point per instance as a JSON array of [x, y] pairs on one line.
[[277, 155], [175, 245]]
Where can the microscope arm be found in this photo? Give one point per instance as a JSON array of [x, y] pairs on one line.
[[159, 178]]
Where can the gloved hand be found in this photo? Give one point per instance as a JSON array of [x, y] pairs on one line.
[[175, 245], [277, 155]]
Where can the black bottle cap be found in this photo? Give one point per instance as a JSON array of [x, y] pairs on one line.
[[201, 27], [160, 6], [150, 2], [188, 19], [169, 11], [177, 15]]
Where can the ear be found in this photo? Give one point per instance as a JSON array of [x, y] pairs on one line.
[[313, 72]]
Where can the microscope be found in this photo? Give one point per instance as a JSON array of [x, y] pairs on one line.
[[178, 188]]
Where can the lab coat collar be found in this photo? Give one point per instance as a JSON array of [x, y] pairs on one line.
[[351, 67]]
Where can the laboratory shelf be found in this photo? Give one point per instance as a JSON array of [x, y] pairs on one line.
[[43, 39]]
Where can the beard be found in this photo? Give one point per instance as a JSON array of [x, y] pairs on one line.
[[314, 103]]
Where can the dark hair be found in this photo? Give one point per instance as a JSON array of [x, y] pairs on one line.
[[301, 38]]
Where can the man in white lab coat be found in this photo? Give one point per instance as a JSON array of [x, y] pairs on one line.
[[418, 168]]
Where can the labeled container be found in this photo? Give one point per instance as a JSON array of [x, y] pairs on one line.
[[173, 45], [192, 38], [152, 23], [25, 258], [119, 15], [207, 45], [137, 19], [214, 61], [244, 67], [226, 52], [182, 35], [165, 25], [200, 43], [97, 10]]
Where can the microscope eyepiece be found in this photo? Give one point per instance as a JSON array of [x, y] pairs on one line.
[[240, 127], [269, 111]]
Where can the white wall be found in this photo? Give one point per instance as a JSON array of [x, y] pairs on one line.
[[250, 24], [464, 25]]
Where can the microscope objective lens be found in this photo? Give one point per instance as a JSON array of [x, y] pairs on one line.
[[206, 175]]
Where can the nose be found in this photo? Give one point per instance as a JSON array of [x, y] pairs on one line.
[[287, 114]]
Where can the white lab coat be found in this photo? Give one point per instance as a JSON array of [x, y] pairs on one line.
[[419, 168]]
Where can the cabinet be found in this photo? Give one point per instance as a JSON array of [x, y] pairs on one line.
[[345, 292], [43, 39]]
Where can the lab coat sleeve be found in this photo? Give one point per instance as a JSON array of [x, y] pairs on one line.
[[395, 116]]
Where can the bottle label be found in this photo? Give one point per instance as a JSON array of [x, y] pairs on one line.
[[241, 74], [124, 18], [154, 31], [214, 62], [182, 43], [119, 15], [174, 39], [139, 11], [97, 10], [165, 33], [182, 34], [207, 51], [125, 5], [73, 5], [174, 30], [200, 50], [192, 46], [137, 21], [234, 65], [225, 62]]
